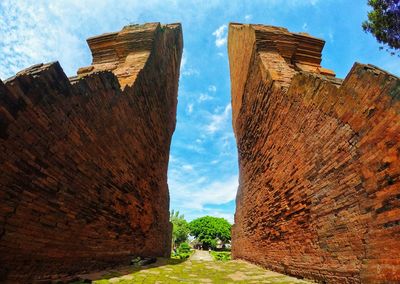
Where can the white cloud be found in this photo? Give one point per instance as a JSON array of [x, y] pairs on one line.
[[221, 214], [220, 35], [226, 140], [199, 188], [42, 31], [204, 97], [183, 61], [190, 108], [198, 193], [218, 120], [195, 148], [187, 168], [212, 88], [330, 35], [218, 192], [186, 69], [32, 33], [248, 18], [297, 3], [190, 72]]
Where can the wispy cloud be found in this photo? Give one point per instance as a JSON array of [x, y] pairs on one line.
[[212, 88], [190, 72], [218, 120], [248, 18], [189, 108], [200, 192], [217, 192], [187, 168], [30, 34], [195, 148], [204, 97], [331, 37], [297, 3], [187, 69], [220, 35], [220, 213], [183, 60]]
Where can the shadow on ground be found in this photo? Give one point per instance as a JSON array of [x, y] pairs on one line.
[[116, 272], [191, 271]]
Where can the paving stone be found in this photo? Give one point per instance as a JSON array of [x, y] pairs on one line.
[[206, 271]]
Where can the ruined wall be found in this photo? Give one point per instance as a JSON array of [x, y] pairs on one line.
[[83, 163], [319, 189]]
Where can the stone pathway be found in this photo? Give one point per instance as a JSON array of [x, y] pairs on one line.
[[193, 271], [201, 255]]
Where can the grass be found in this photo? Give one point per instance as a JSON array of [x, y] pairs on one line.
[[188, 271], [183, 252], [182, 255], [221, 255]]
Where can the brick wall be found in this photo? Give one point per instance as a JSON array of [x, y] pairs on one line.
[[319, 192], [83, 163]]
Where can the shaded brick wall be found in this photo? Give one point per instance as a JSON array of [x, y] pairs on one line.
[[83, 164], [319, 191]]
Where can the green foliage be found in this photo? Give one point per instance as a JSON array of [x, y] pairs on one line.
[[221, 255], [208, 230], [182, 252], [180, 229], [184, 247], [384, 22]]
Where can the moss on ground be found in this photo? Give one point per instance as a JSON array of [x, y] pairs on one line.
[[221, 255], [173, 271]]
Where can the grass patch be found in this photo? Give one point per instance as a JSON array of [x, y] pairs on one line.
[[183, 252], [221, 255], [182, 255]]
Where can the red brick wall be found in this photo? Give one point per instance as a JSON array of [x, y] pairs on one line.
[[83, 165], [319, 193]]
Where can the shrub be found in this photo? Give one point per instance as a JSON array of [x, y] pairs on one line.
[[221, 256], [180, 229], [183, 252], [184, 248]]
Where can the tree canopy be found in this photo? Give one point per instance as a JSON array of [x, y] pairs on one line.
[[180, 230], [384, 22], [208, 230]]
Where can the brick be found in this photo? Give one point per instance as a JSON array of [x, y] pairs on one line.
[[84, 160], [319, 169]]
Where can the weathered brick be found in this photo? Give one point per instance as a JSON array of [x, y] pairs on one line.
[[319, 160], [84, 160]]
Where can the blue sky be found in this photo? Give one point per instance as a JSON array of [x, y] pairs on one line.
[[203, 163]]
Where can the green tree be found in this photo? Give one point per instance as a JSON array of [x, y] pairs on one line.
[[384, 22], [180, 228], [208, 230]]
